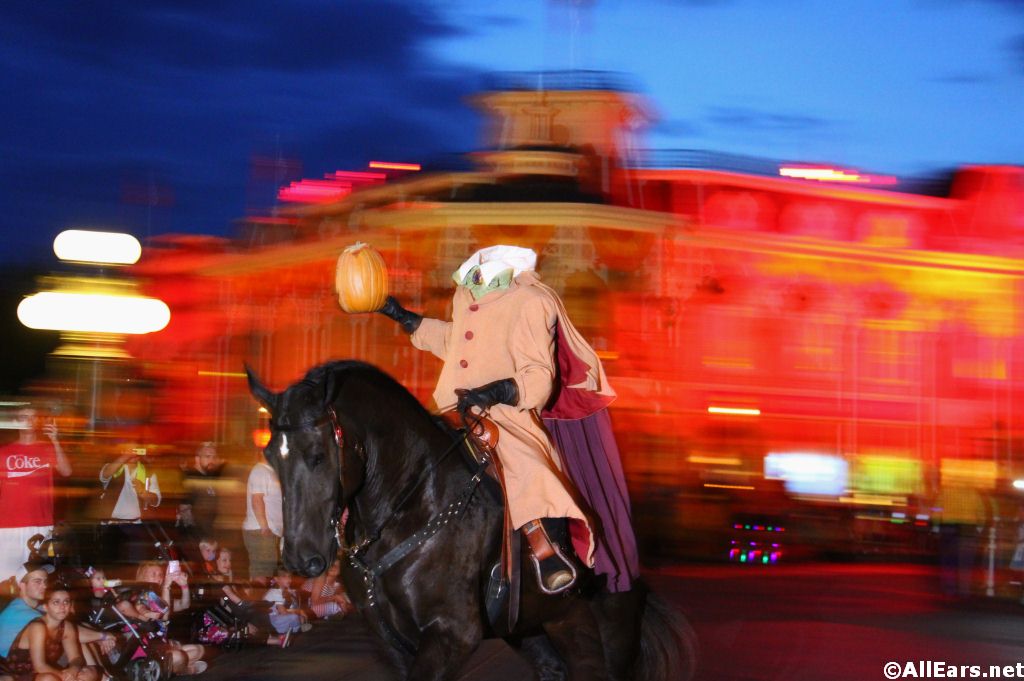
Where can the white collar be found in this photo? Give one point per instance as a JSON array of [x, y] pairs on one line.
[[496, 259]]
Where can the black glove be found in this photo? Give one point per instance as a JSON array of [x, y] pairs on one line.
[[410, 321], [486, 396]]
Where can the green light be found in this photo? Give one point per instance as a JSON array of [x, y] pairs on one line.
[[746, 527], [743, 557], [764, 559]]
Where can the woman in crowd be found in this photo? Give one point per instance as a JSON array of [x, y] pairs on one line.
[[146, 608], [37, 651], [153, 573]]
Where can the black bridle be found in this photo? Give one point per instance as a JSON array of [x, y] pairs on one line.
[[329, 417], [371, 572]]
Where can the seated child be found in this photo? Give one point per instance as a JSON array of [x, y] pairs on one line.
[[208, 548], [234, 598], [286, 614], [327, 597]]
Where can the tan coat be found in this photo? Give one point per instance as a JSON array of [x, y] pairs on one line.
[[509, 334]]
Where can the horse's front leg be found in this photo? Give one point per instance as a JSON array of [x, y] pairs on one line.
[[577, 638], [444, 648]]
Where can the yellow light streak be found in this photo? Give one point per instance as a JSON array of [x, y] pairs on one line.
[[388, 165], [720, 486], [714, 460], [735, 411], [868, 501]]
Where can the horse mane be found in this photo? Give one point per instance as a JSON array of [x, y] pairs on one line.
[[342, 369], [404, 425]]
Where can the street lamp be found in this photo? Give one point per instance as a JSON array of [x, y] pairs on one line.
[[87, 246], [93, 312]]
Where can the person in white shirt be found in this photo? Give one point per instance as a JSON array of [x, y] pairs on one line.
[[264, 521], [130, 490], [139, 488]]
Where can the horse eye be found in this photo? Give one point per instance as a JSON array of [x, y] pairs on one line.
[[318, 459]]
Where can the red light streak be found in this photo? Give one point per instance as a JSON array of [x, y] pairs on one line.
[[387, 165], [357, 176], [314, 191], [334, 187]]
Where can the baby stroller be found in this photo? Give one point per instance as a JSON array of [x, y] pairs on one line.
[[220, 622], [141, 653]]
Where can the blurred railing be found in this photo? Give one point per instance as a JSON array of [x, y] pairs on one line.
[[709, 160], [558, 80], [934, 184]]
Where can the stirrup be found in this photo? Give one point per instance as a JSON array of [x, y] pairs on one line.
[[556, 581], [542, 549]]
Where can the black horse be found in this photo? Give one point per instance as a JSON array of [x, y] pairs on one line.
[[423, 533]]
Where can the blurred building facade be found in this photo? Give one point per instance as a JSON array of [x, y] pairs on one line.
[[740, 315]]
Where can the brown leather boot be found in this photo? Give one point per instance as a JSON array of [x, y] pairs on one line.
[[555, 572]]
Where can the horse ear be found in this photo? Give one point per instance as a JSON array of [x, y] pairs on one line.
[[331, 385], [263, 394]]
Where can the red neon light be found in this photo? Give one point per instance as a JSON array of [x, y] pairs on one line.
[[388, 165], [357, 176], [314, 191]]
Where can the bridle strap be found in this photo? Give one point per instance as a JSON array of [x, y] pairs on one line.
[[405, 496], [371, 573]]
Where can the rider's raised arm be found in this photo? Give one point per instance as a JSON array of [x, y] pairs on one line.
[[432, 336]]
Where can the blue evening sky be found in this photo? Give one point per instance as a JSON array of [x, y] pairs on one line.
[[163, 116], [894, 85]]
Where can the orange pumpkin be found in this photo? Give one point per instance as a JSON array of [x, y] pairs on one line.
[[361, 279]]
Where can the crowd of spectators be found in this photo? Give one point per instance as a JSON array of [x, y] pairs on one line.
[[153, 584]]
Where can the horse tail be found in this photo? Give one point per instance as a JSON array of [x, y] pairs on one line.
[[668, 644]]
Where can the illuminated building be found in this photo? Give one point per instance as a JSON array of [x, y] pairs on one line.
[[740, 313]]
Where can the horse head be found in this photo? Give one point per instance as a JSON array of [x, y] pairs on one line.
[[306, 452]]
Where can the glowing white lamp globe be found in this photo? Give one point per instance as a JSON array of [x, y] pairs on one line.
[[93, 312], [81, 245]]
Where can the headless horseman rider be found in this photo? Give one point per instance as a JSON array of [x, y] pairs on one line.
[[510, 350]]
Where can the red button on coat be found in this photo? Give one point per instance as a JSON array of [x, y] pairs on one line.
[[474, 307], [463, 363], [469, 335]]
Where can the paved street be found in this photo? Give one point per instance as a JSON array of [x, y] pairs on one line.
[[345, 651], [834, 622], [814, 622]]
